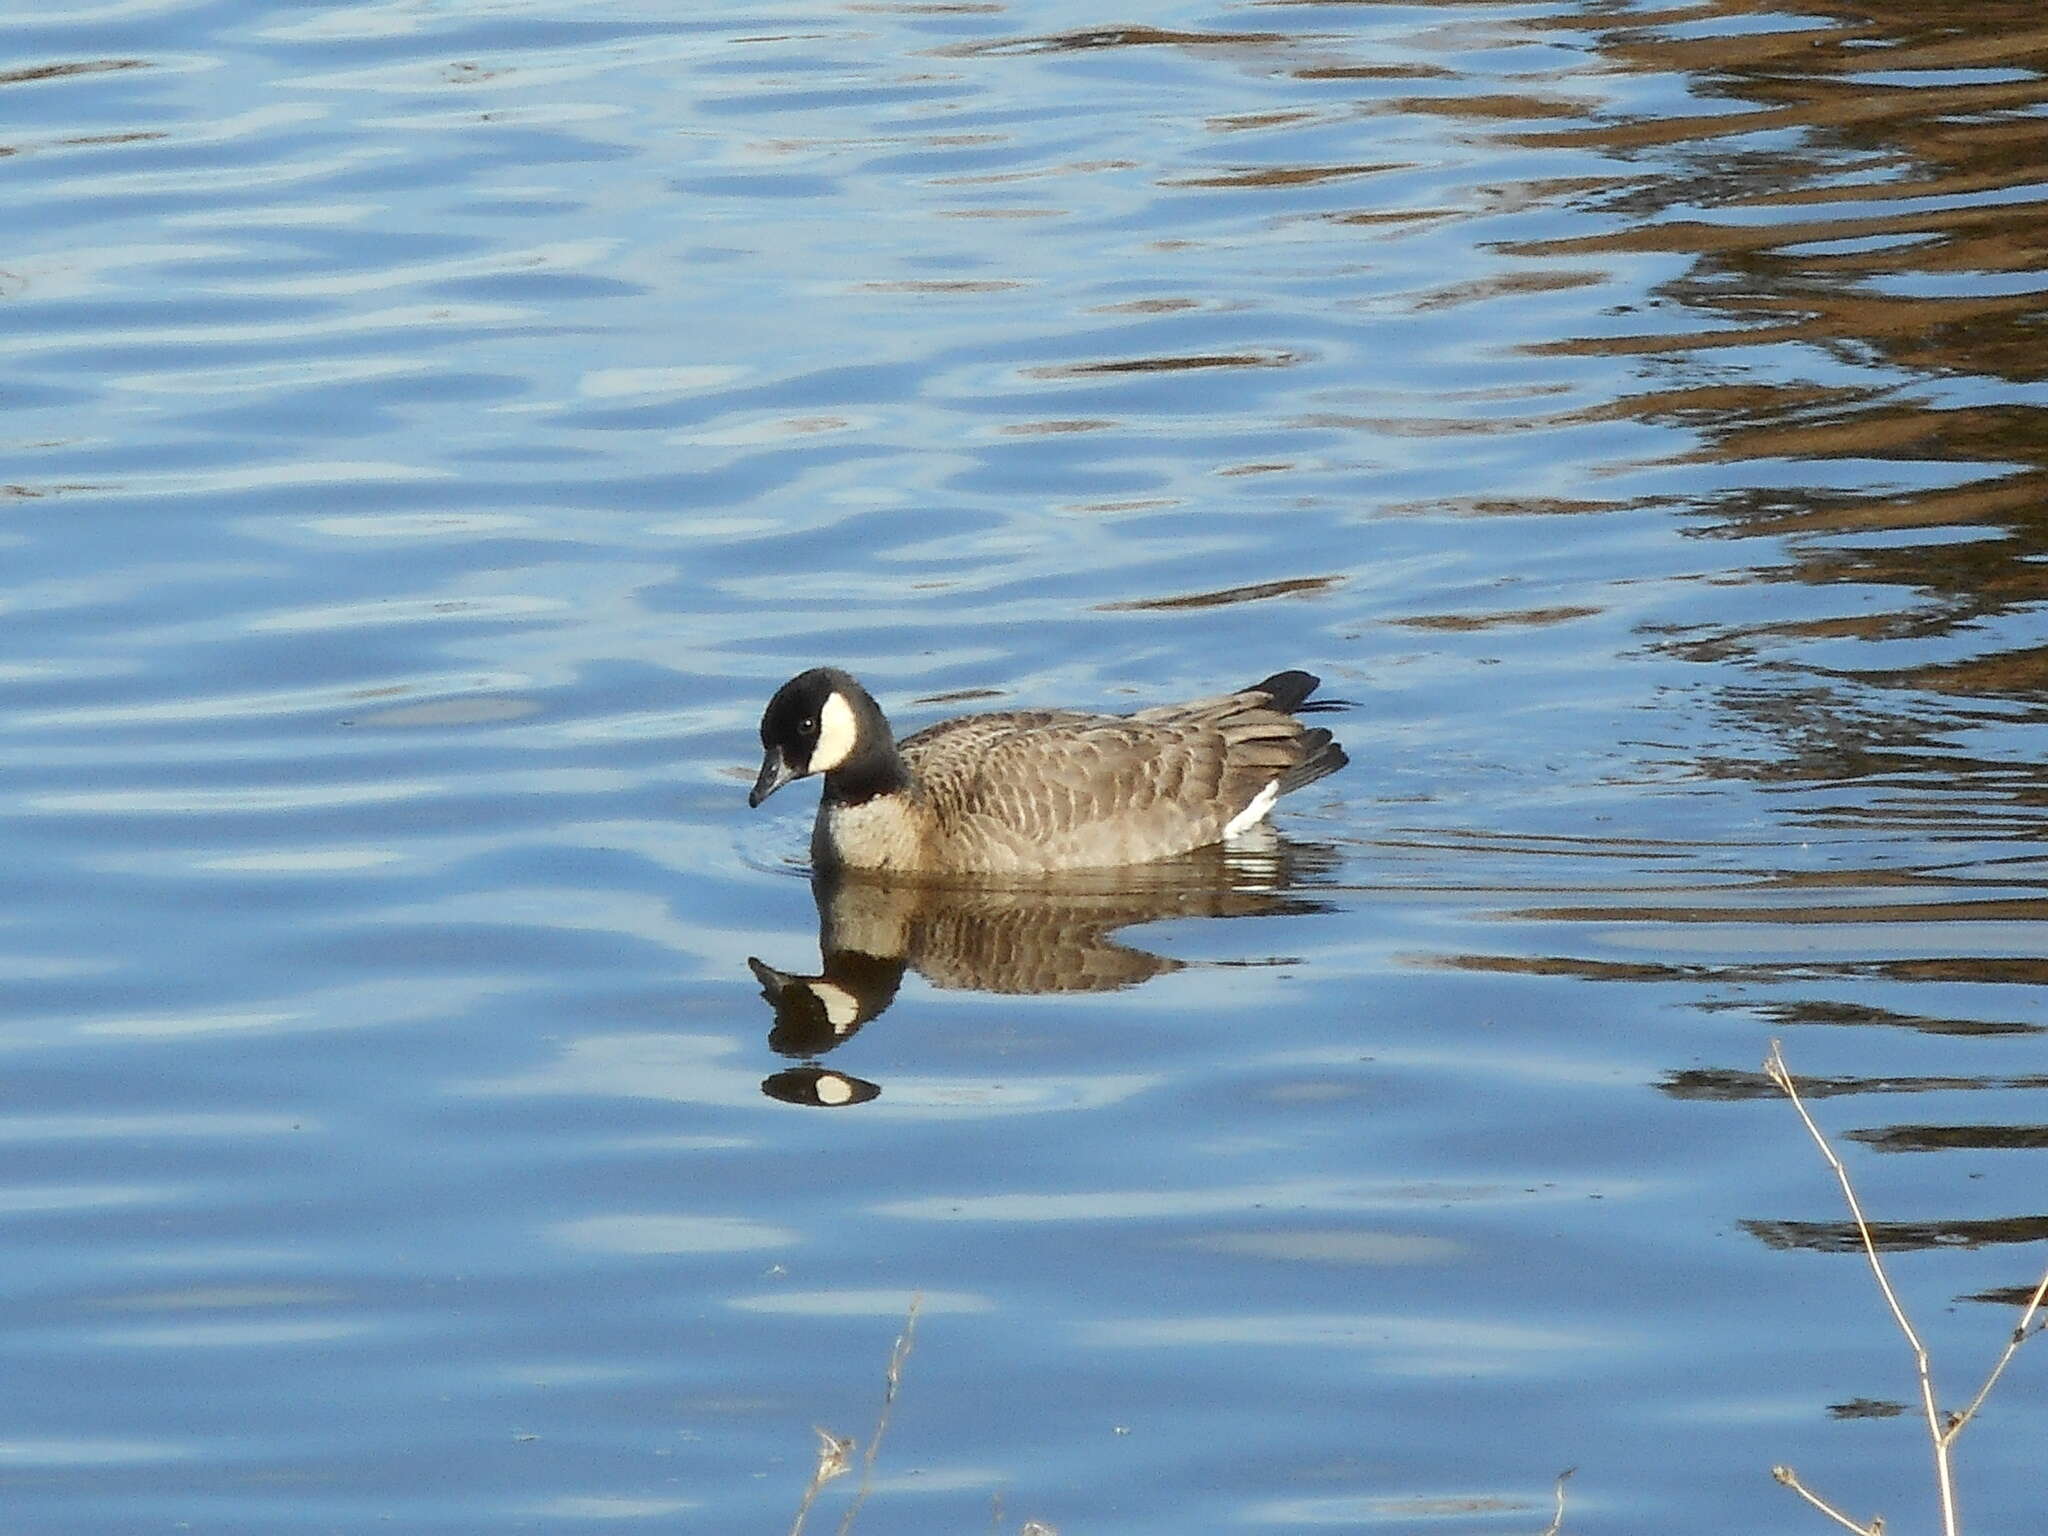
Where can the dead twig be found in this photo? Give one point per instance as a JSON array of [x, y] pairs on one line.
[[2030, 1323], [1790, 1479], [1944, 1481], [1941, 1431]]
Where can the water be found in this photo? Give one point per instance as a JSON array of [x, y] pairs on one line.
[[433, 430]]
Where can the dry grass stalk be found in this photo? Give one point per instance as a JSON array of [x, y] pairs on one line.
[[832, 1462], [894, 1379], [1557, 1520], [835, 1454], [1941, 1429]]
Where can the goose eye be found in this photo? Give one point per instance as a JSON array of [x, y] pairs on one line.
[[808, 724]]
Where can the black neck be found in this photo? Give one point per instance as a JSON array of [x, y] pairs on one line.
[[868, 775]]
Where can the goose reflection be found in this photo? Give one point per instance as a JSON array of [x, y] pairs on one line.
[[1055, 934]]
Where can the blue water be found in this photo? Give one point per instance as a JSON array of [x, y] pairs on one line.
[[433, 431]]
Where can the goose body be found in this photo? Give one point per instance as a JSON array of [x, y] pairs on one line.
[[1033, 791]]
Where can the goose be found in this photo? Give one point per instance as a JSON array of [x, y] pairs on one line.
[[1036, 791]]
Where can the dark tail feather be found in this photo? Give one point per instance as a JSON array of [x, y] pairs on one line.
[[1287, 689], [1290, 692], [1320, 757]]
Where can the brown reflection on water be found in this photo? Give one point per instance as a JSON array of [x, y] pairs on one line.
[[2018, 910], [1192, 362], [1120, 37], [1255, 592], [1498, 619], [1045, 937], [1749, 973], [1723, 1086], [1941, 1138], [36, 74], [1283, 175], [1863, 197], [1802, 249], [1787, 1015], [1898, 1236]]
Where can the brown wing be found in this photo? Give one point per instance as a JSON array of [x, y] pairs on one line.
[[971, 733], [1032, 790]]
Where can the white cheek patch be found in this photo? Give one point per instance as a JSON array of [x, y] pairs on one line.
[[838, 734], [842, 1008], [1254, 813]]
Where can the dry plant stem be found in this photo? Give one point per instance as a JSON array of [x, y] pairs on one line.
[[2020, 1334], [1790, 1479], [831, 1463], [1779, 1073], [1557, 1520], [897, 1357]]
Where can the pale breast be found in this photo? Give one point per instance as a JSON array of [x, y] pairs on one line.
[[888, 833]]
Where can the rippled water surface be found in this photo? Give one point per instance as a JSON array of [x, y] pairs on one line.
[[434, 427]]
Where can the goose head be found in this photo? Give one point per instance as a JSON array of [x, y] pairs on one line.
[[819, 721]]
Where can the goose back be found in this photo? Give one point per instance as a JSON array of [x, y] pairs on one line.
[[1060, 789]]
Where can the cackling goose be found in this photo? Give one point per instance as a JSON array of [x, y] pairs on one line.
[[1030, 791]]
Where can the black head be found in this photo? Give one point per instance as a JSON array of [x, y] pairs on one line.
[[818, 721]]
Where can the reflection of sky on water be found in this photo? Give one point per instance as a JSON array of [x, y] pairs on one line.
[[432, 433]]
